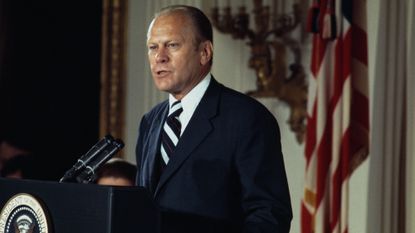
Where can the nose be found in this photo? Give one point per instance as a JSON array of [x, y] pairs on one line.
[[161, 56]]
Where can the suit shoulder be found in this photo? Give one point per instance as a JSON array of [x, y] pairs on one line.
[[243, 103], [244, 113]]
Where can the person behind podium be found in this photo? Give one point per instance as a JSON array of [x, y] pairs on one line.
[[116, 172], [216, 165]]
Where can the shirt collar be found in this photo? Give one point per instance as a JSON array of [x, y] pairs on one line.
[[192, 99]]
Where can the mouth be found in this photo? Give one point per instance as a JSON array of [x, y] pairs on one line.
[[161, 72]]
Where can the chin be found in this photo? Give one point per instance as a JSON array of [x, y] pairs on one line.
[[163, 85], [164, 88]]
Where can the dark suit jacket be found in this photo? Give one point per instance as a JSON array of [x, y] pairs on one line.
[[227, 167]]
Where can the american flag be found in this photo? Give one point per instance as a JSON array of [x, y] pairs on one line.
[[338, 112]]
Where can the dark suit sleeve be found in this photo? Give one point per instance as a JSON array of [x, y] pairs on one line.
[[259, 161]]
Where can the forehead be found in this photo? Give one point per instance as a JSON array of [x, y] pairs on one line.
[[170, 24]]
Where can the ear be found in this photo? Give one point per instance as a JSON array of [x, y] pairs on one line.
[[206, 52]]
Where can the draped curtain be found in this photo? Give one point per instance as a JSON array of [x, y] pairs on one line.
[[391, 200], [410, 116]]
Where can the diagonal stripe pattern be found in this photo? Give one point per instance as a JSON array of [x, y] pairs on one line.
[[171, 132]]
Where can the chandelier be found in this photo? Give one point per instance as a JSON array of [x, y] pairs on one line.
[[271, 43]]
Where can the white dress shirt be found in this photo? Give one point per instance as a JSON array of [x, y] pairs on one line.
[[190, 101]]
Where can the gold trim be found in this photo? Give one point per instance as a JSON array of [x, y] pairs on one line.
[[24, 202], [270, 42], [113, 72], [310, 197]]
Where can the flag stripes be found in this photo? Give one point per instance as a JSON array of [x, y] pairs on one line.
[[338, 113]]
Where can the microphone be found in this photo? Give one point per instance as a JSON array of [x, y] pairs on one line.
[[86, 158], [88, 174]]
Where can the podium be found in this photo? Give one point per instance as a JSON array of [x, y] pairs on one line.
[[89, 208]]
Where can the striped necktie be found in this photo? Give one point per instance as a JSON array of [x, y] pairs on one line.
[[171, 132]]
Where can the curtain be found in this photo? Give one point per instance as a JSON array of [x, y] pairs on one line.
[[410, 113], [392, 146]]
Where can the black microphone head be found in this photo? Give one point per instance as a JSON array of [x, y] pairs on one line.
[[109, 138], [88, 173], [88, 157], [119, 143]]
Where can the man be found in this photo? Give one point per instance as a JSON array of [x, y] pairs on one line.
[[213, 160]]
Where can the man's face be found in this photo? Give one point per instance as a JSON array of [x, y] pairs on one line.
[[177, 63]]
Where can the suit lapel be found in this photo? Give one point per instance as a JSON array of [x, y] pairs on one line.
[[196, 131], [153, 148]]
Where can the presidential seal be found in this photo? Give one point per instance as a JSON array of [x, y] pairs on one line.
[[23, 213]]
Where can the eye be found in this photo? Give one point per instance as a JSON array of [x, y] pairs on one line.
[[152, 47], [173, 45]]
